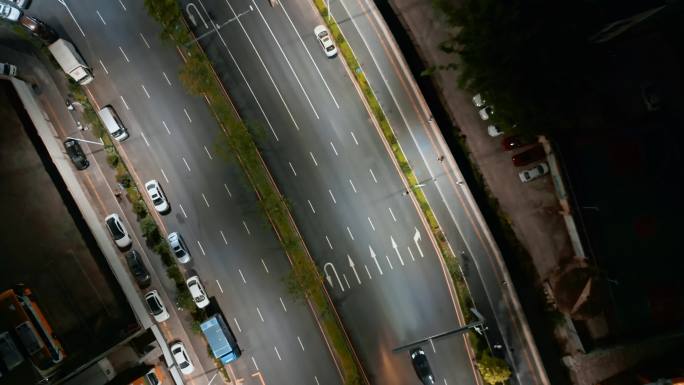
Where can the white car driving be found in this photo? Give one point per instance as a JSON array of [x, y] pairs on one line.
[[325, 39], [157, 196], [197, 292]]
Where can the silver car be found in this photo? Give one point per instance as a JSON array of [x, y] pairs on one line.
[[179, 248], [534, 173]]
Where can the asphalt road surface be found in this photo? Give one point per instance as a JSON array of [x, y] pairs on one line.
[[172, 140]]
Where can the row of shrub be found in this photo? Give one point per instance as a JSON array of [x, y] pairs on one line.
[[198, 77], [492, 369]]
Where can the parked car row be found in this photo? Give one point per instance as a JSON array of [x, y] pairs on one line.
[[530, 155]]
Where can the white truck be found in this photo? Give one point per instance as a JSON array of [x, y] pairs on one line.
[[71, 61]]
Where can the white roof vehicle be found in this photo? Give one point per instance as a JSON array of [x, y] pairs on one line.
[[23, 4], [531, 174], [197, 292], [486, 113], [180, 355], [118, 231], [479, 101], [494, 131], [179, 247], [8, 12], [156, 306], [324, 37], [157, 196]]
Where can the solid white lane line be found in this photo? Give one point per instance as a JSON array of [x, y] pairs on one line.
[[332, 196], [278, 354], [208, 154], [346, 280], [167, 127], [411, 253], [238, 326], [373, 175], [300, 343], [186, 164], [144, 40], [445, 383], [282, 6], [124, 102], [371, 223], [188, 115], [104, 68], [392, 214], [183, 210], [166, 77], [164, 175], [255, 365], [205, 199], [314, 159], [265, 267], [122, 5], [334, 150], [124, 54], [329, 244], [145, 89], [311, 205], [98, 14], [228, 190], [286, 60], [145, 138], [389, 262], [316, 378], [368, 271], [354, 137], [292, 168], [283, 303], [219, 285], [352, 184], [242, 276], [350, 233], [246, 228], [287, 108], [433, 346], [72, 17], [201, 248], [260, 316], [224, 237]]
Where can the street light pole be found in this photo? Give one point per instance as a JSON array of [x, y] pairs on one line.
[[473, 325]]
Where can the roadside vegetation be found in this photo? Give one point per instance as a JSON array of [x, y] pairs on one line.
[[493, 369], [198, 77]]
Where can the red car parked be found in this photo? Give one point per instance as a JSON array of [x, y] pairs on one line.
[[526, 157], [512, 142]]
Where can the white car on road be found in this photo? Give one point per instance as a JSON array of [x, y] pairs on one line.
[[157, 196], [8, 12], [325, 39], [118, 231], [197, 292], [180, 355], [180, 249]]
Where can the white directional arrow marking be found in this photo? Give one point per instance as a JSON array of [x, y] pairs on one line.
[[416, 238], [375, 258], [396, 249], [327, 275], [353, 267]]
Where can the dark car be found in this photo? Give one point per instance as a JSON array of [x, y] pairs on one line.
[[39, 29], [528, 156], [512, 142], [137, 267], [76, 154], [422, 366]]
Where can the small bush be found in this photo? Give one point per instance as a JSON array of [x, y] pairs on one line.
[[174, 273], [113, 159], [124, 179], [140, 209], [150, 231], [184, 299]]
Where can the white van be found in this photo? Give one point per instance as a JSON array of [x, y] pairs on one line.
[[113, 123]]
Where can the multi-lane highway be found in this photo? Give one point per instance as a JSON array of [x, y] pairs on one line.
[[327, 156], [233, 248], [346, 193]]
